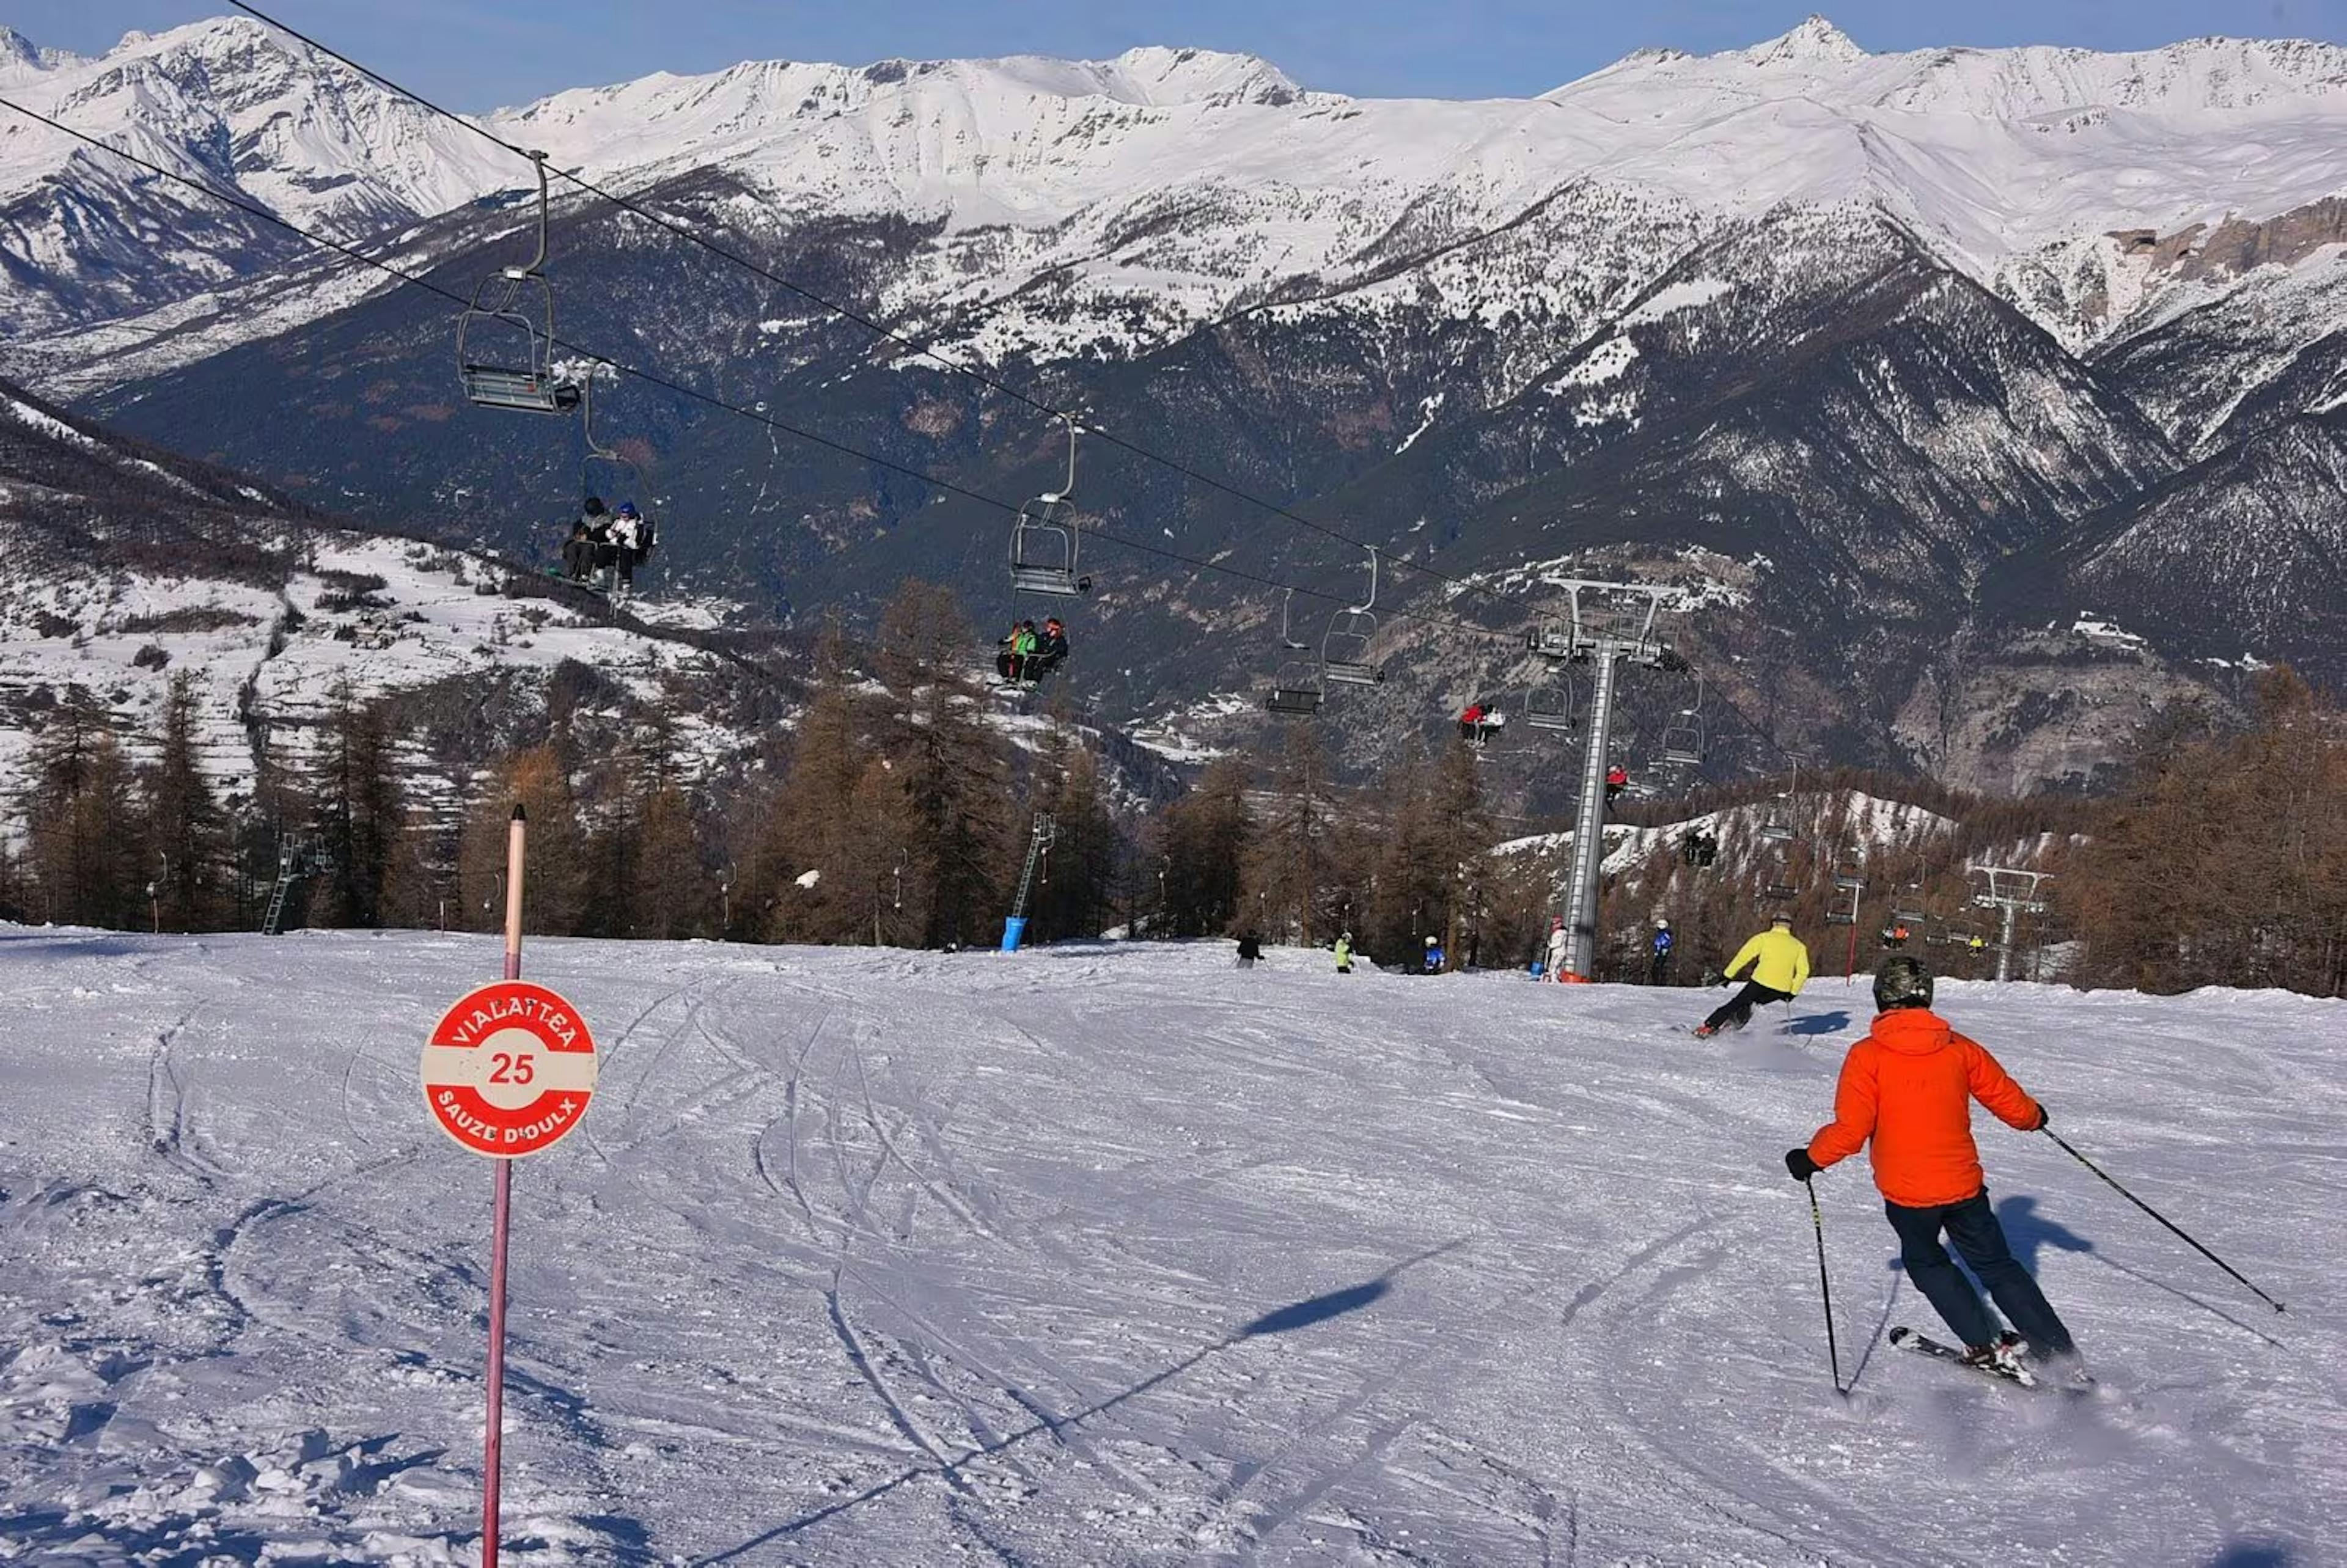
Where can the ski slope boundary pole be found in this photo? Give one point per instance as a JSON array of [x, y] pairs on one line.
[[502, 1208], [1825, 1286], [2163, 1219]]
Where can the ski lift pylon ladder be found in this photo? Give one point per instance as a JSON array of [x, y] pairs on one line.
[[505, 338], [1044, 542], [1344, 645]]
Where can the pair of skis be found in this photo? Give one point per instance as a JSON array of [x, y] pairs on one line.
[[1906, 1339]]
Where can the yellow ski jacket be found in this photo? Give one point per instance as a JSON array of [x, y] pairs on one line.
[[1778, 961]]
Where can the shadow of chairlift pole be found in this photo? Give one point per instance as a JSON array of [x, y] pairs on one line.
[[1287, 1319]]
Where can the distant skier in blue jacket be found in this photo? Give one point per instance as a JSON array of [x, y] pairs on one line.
[[1433, 957], [1658, 960]]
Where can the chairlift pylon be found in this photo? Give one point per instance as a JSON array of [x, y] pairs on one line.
[[1344, 645], [505, 337], [1044, 541]]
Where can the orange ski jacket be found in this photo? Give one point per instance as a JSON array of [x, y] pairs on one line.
[[1907, 1089]]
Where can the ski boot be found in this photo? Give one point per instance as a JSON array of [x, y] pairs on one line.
[[1704, 1031], [2003, 1356]]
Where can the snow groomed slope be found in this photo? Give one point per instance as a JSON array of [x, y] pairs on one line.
[[1113, 1254]]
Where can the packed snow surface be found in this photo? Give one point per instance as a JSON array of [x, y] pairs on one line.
[[1114, 1254]]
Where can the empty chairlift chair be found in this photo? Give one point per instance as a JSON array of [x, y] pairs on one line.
[[1684, 737], [1345, 655], [1548, 706], [1297, 688], [1850, 882], [505, 339], [1044, 540]]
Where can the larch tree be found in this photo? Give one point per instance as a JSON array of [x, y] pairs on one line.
[[190, 833], [84, 835], [360, 815], [1201, 844], [555, 884]]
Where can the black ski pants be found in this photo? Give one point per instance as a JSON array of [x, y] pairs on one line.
[[1973, 1226], [1736, 1011]]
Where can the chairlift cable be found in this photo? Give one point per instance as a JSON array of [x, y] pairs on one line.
[[710, 400], [879, 329]]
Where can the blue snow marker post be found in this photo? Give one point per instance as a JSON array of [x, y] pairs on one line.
[[1013, 929]]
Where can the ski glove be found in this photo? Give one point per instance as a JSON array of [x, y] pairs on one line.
[[1798, 1160]]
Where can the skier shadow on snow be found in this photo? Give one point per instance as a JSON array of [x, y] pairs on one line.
[[2029, 1234], [2254, 1554], [1817, 1023], [1287, 1319]]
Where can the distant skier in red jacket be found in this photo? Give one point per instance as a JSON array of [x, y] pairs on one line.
[[1905, 1095]]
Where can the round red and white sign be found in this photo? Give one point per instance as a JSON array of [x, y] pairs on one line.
[[510, 1071]]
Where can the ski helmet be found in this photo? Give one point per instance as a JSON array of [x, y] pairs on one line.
[[1662, 924], [1901, 982], [1781, 919], [1429, 941]]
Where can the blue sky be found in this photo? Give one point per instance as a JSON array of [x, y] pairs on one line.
[[483, 53]]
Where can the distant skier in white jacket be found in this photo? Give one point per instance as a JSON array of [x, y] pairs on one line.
[[1557, 943]]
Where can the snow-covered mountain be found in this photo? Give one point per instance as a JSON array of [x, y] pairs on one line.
[[1189, 182], [1848, 330], [224, 103]]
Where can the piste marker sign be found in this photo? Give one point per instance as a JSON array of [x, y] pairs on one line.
[[511, 1070]]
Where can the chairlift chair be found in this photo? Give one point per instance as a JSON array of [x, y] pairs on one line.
[[1683, 736], [505, 338], [1044, 537], [1344, 645], [1548, 706], [1778, 826], [1780, 892], [1297, 689]]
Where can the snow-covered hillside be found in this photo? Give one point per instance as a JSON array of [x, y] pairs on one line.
[[1112, 1256], [123, 570]]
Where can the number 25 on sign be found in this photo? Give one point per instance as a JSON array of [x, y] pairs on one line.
[[511, 1070]]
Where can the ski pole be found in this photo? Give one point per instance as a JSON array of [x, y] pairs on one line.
[[2163, 1219], [1825, 1286]]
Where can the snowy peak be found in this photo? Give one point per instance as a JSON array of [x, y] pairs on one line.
[[1815, 42], [1162, 75]]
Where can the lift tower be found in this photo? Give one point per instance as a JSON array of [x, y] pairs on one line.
[[2015, 894], [1612, 624]]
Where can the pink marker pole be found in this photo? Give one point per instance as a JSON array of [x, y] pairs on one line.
[[492, 1442]]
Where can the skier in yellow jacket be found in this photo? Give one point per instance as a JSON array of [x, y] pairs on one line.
[[1780, 967]]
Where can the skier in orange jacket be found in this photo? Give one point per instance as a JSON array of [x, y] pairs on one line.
[[1905, 1096]]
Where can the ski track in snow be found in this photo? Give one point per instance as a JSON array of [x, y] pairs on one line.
[[1110, 1256]]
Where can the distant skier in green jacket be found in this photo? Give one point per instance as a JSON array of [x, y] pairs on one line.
[[1345, 954]]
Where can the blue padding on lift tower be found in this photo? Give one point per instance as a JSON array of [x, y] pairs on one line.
[[1012, 930]]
